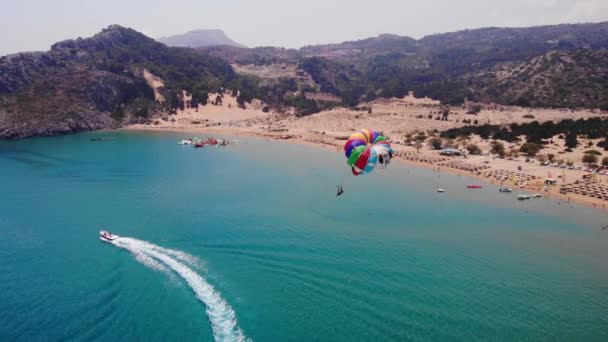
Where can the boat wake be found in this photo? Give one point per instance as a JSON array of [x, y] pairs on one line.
[[220, 314]]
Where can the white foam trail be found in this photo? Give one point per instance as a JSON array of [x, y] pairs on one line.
[[220, 314], [151, 262]]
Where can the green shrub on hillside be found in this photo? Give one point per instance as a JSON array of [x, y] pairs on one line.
[[594, 152]]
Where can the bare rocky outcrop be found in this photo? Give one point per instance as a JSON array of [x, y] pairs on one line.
[[17, 71], [62, 103], [69, 88]]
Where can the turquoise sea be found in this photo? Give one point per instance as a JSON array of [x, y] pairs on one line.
[[249, 242]]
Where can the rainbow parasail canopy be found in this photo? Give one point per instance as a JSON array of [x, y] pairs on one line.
[[365, 149]]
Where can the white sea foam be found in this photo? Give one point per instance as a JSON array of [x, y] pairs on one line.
[[220, 314]]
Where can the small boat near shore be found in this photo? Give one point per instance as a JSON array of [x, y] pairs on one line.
[[186, 142], [523, 197], [106, 236], [537, 196], [505, 190], [441, 190], [209, 142], [473, 186]]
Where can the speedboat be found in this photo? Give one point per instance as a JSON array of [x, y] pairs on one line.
[[537, 196], [523, 197], [107, 236], [505, 190], [186, 142], [440, 190]]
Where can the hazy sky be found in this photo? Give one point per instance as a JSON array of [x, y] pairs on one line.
[[35, 24]]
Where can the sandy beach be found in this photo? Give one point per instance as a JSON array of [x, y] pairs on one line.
[[399, 118]]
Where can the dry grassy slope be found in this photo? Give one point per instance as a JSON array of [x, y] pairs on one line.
[[555, 79], [559, 65]]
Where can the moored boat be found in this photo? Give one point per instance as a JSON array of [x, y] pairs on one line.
[[523, 197], [505, 190], [186, 142], [209, 142], [440, 190], [474, 186]]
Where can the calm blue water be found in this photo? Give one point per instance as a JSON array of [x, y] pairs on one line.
[[250, 242]]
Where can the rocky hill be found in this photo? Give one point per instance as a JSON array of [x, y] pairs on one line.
[[98, 82], [383, 44], [455, 66], [576, 78], [200, 38]]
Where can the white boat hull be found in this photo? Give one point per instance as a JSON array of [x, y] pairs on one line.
[[107, 236]]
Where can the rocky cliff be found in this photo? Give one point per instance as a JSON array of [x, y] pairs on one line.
[[97, 82]]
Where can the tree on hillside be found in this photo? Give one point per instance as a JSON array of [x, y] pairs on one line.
[[473, 149], [444, 114], [590, 159], [199, 97], [535, 132], [497, 148], [173, 100], [474, 110], [530, 149], [241, 102], [596, 152], [571, 140], [603, 144], [418, 145], [435, 143], [605, 162]]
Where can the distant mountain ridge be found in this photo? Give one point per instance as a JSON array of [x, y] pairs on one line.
[[456, 66], [98, 82], [200, 38]]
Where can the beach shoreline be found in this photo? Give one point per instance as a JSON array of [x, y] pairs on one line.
[[336, 145]]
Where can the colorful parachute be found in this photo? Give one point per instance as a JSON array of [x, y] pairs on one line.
[[365, 149]]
